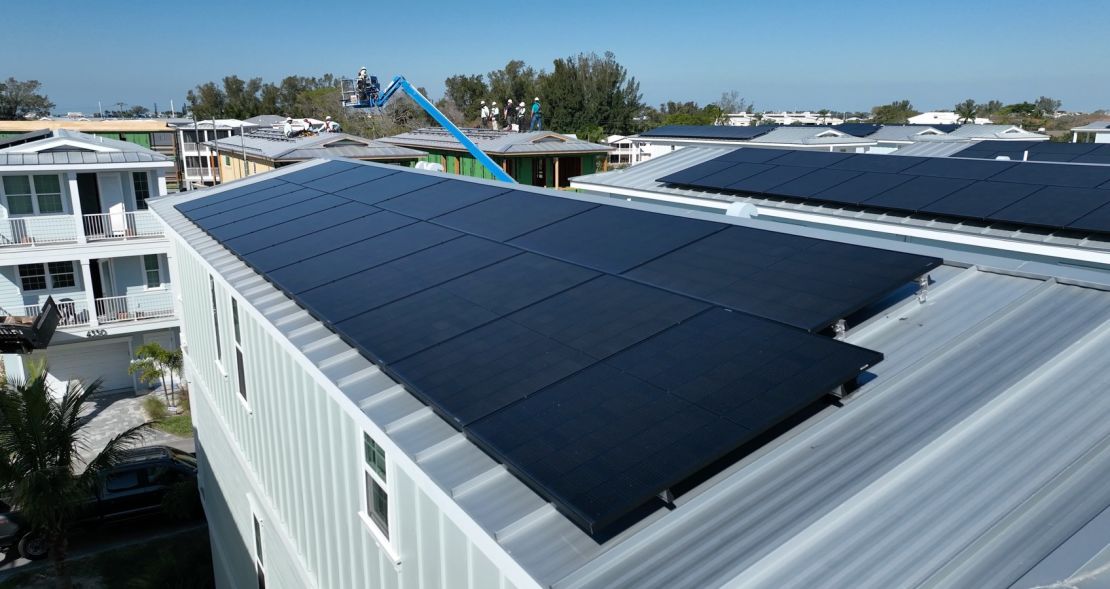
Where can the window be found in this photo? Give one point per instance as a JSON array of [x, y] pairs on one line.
[[377, 501], [152, 267], [122, 481], [215, 318], [50, 275], [162, 139], [141, 181], [227, 160], [239, 368], [29, 195], [258, 562], [61, 274], [32, 276]]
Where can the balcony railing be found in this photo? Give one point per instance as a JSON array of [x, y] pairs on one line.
[[72, 313], [137, 307], [122, 225], [37, 230]]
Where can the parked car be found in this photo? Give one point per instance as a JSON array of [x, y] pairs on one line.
[[133, 487]]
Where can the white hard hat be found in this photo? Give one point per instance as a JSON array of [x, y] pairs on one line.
[[483, 102], [537, 99], [327, 118], [521, 103]]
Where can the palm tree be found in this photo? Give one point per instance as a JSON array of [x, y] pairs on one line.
[[966, 111], [40, 448], [153, 363]]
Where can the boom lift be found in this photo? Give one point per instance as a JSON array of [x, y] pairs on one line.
[[370, 95]]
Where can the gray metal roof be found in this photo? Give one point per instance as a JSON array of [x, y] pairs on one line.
[[1095, 126], [270, 144], [975, 457], [934, 148], [642, 177], [903, 132], [803, 135], [25, 154], [266, 120], [498, 142], [995, 132]]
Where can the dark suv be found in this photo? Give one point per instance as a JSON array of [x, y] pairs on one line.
[[135, 486]]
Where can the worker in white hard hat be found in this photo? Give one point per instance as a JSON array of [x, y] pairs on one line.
[[537, 118], [361, 83], [521, 115], [485, 115], [287, 129]]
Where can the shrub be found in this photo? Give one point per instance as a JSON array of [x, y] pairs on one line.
[[155, 408]]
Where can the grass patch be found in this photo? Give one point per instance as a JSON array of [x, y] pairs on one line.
[[178, 425]]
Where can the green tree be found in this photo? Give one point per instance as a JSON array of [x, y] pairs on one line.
[[966, 111], [19, 99], [40, 444], [243, 100], [515, 81], [991, 107], [896, 112], [589, 90], [1046, 107], [208, 101], [467, 93], [730, 103]]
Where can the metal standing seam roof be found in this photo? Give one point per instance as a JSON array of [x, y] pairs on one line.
[[274, 146], [933, 148], [498, 142], [122, 151], [994, 132], [809, 136], [974, 459], [643, 177], [1094, 126], [903, 132]]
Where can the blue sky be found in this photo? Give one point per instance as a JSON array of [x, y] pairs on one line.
[[787, 54]]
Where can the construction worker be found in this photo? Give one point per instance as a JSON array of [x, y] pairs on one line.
[[494, 115], [521, 114], [485, 115], [362, 81], [330, 126], [510, 116], [287, 129], [537, 118]]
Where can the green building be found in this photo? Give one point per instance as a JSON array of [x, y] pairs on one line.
[[536, 158]]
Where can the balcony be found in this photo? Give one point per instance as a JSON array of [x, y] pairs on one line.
[[109, 310], [40, 230]]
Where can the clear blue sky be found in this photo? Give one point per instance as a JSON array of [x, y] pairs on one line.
[[787, 54]]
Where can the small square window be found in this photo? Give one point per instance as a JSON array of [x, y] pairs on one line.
[[32, 277], [375, 456], [61, 274]]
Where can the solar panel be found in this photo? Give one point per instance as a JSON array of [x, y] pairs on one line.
[[1096, 220], [728, 132], [858, 129], [479, 328], [318, 171], [606, 315], [1053, 206], [298, 227], [312, 272], [814, 182], [316, 243], [387, 187], [697, 172], [229, 195], [876, 163], [860, 188], [348, 178], [439, 199], [508, 215], [813, 159], [1075, 176], [753, 155], [613, 239], [767, 180], [772, 275], [732, 174], [958, 168], [980, 199], [911, 196], [472, 375]]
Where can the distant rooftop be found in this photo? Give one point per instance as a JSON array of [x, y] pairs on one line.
[[1097, 126], [89, 126], [498, 142], [66, 147], [272, 144]]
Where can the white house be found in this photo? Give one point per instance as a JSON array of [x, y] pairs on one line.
[[74, 226], [943, 118], [199, 158], [1099, 131], [324, 464]]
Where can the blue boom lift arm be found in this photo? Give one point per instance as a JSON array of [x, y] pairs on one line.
[[378, 100]]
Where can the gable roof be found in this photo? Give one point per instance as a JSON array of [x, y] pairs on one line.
[[996, 132], [66, 147], [272, 144], [498, 142]]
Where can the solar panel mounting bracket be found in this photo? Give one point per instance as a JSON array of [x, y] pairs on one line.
[[667, 496], [840, 328], [923, 289]]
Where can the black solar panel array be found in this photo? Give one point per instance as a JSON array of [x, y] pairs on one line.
[[709, 131], [602, 354], [1042, 195], [1040, 151]]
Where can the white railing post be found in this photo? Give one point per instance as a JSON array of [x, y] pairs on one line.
[[90, 296]]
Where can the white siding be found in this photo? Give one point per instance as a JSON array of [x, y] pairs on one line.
[[294, 453]]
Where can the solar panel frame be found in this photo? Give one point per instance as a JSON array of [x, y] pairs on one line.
[[980, 199], [766, 181], [510, 215], [968, 169], [1053, 206], [917, 193], [327, 168], [696, 172], [325, 240], [439, 199], [856, 190], [349, 178]]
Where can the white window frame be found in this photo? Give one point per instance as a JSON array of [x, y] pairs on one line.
[[240, 357], [216, 324], [384, 538], [35, 208], [147, 271], [140, 203], [48, 276], [257, 548]]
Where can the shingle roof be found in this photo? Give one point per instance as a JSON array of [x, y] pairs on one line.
[[272, 145], [498, 142]]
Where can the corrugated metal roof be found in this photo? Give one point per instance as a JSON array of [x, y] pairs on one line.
[[26, 154], [270, 144], [498, 142], [933, 148], [642, 177]]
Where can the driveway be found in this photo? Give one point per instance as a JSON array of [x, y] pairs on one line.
[[110, 414]]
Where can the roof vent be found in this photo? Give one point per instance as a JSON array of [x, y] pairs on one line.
[[741, 209]]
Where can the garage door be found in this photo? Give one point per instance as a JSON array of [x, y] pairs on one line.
[[86, 362]]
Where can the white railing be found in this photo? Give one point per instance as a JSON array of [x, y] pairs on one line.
[[71, 313], [37, 230], [121, 225], [137, 307]]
